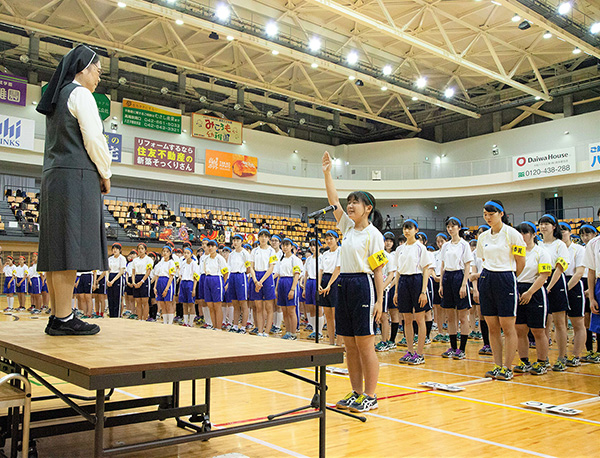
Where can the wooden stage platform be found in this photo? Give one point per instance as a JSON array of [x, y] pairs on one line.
[[130, 353]]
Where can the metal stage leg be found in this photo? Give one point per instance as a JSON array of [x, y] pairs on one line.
[[99, 426], [323, 411]]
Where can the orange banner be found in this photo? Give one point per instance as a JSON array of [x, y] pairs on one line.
[[228, 165]]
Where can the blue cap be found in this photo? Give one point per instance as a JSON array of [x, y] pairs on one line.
[[332, 233]]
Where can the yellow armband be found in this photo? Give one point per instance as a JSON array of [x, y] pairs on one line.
[[176, 264], [149, 266], [297, 269], [518, 250], [196, 276], [224, 270], [172, 271], [273, 259], [544, 268], [377, 259], [564, 264], [247, 264], [26, 272]]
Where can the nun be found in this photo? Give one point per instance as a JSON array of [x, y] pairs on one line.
[[75, 175]]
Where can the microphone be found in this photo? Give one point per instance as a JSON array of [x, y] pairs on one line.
[[323, 211]]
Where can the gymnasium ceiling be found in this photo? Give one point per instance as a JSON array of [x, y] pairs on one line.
[[474, 48]]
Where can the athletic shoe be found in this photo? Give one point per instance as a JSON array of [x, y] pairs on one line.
[[308, 327], [472, 335], [348, 399], [434, 326], [378, 331], [547, 363], [36, 312], [286, 336], [312, 335], [478, 335], [486, 350], [438, 338], [272, 331], [264, 334], [532, 344], [402, 342], [494, 372], [73, 327], [233, 329], [459, 354], [504, 374], [241, 331], [22, 309], [293, 337], [364, 403], [407, 357], [560, 365], [523, 367], [151, 320], [446, 338], [325, 327], [50, 320], [8, 309], [537, 368], [391, 345], [573, 361], [448, 353], [133, 316], [254, 332], [415, 339], [381, 346], [591, 357], [416, 359], [427, 341], [445, 326]]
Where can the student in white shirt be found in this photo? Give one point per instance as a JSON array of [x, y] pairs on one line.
[[288, 289], [558, 298], [329, 271], [188, 272], [587, 232], [164, 288], [359, 303], [142, 267], [21, 281], [502, 250], [278, 316], [99, 293], [456, 257], [411, 283], [262, 284], [10, 280], [310, 292], [35, 284], [237, 289], [439, 317], [116, 274], [129, 281], [388, 307], [533, 302], [217, 272]]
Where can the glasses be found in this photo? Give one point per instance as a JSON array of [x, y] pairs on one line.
[[98, 68]]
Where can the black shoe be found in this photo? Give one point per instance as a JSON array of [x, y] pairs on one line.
[[49, 325], [73, 327]]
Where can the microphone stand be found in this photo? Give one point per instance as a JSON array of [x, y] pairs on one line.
[[315, 401]]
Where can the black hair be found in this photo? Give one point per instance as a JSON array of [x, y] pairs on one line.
[[453, 221], [409, 224], [587, 229], [393, 242], [525, 228], [401, 239], [367, 199], [494, 209], [557, 232]]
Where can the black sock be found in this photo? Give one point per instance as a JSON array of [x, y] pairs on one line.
[[453, 343], [428, 325], [394, 331], [597, 342], [415, 327], [589, 341], [485, 333], [525, 360], [463, 341]]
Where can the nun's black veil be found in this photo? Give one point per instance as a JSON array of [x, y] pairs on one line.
[[75, 61]]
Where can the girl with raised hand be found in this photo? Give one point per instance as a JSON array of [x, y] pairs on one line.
[[360, 289]]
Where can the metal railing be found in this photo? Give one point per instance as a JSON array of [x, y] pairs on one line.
[[573, 213]]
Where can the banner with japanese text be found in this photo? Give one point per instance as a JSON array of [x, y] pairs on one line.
[[221, 130], [13, 89], [594, 151], [228, 165], [151, 116], [114, 145], [164, 155]]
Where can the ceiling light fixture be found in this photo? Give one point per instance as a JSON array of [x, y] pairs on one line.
[[387, 70], [384, 88], [274, 52], [576, 51], [121, 4], [547, 35], [271, 29], [178, 22], [314, 65], [222, 12], [595, 28], [449, 92], [352, 57], [516, 18], [359, 83], [351, 77], [564, 8], [414, 99], [314, 44], [422, 82], [230, 38]]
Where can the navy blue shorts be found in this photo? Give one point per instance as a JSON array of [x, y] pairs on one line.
[[498, 294], [200, 288], [45, 287], [161, 284], [86, 284], [186, 292], [213, 288], [451, 283], [390, 298], [576, 299], [356, 305], [144, 289], [331, 299], [409, 290], [36, 287], [23, 287], [437, 300], [309, 291], [558, 296], [101, 286], [534, 313], [283, 288], [238, 286], [9, 289], [226, 295], [128, 289], [266, 293], [588, 309]]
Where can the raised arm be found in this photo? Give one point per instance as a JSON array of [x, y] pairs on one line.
[[332, 194]]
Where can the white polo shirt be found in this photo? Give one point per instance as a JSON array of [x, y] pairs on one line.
[[360, 249], [164, 268], [559, 253], [187, 270], [497, 251], [116, 264], [456, 255], [537, 261], [330, 260], [576, 254], [262, 259], [412, 259], [239, 262], [215, 266], [591, 259], [289, 266]]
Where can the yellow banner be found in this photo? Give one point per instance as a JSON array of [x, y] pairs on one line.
[[134, 104], [221, 130]]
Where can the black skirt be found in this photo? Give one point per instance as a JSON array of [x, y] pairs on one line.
[[72, 232]]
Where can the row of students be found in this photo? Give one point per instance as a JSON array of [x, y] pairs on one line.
[[21, 279]]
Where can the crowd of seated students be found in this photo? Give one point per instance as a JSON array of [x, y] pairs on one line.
[[24, 205]]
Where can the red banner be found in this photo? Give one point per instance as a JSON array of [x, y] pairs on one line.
[[164, 155]]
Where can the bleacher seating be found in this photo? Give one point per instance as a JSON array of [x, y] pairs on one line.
[[227, 220], [148, 219], [25, 207]]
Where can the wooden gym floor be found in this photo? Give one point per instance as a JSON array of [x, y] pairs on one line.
[[484, 420]]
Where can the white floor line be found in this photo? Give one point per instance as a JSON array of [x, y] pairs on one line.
[[463, 436], [473, 376], [242, 435]]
